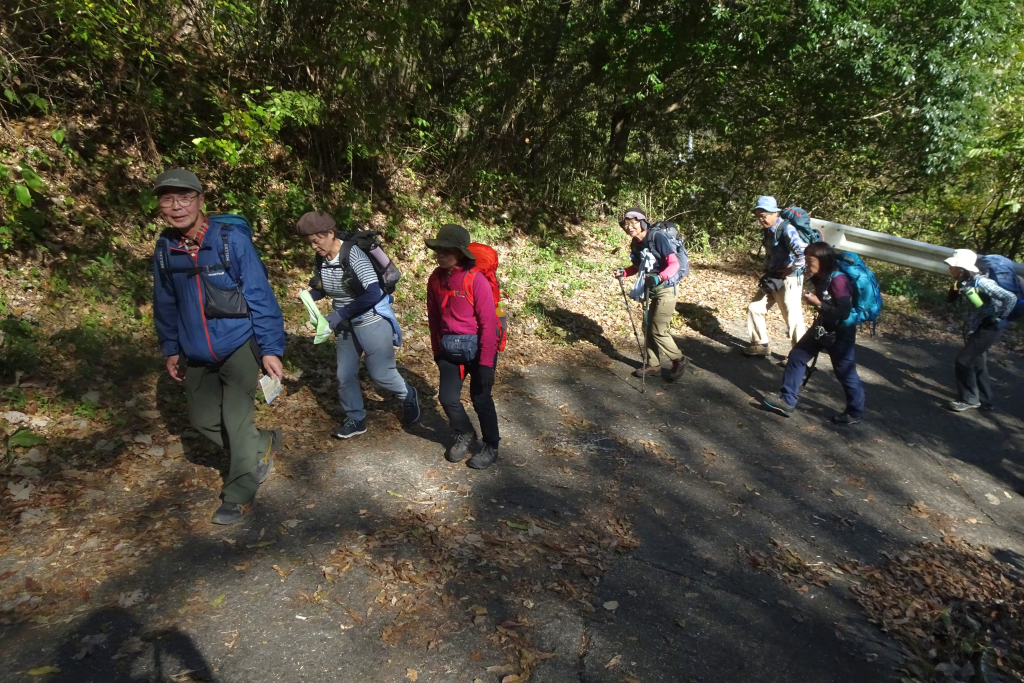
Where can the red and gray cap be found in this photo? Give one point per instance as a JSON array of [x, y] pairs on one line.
[[638, 213], [177, 179]]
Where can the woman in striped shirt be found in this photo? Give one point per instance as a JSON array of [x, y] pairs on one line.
[[361, 330]]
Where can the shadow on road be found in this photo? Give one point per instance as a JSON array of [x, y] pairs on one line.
[[112, 644], [614, 535]]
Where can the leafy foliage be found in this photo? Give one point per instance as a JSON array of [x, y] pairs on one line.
[[549, 105]]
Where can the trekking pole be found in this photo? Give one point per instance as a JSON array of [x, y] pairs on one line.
[[643, 356], [630, 313], [810, 370]]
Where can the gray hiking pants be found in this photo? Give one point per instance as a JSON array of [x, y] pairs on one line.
[[973, 384], [373, 340]]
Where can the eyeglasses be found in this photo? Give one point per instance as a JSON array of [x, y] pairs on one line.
[[184, 201]]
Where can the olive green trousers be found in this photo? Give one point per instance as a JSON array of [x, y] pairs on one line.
[[220, 407]]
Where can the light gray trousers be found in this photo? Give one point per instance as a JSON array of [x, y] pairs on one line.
[[373, 340]]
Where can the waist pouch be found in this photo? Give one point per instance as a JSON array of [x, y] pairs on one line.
[[461, 349], [223, 303]]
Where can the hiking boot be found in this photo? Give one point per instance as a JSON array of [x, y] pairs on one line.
[[229, 513], [266, 464], [411, 405], [647, 370], [485, 458], [846, 419], [757, 350], [777, 405], [349, 428], [960, 406], [460, 449], [678, 368]]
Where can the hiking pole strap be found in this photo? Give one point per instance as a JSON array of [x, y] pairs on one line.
[[810, 370]]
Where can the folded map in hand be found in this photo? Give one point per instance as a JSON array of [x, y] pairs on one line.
[[323, 329]]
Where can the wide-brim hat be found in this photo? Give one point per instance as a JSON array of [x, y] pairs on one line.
[[767, 203], [452, 236], [177, 179], [963, 258]]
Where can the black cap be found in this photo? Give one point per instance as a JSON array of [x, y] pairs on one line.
[[452, 236], [177, 179]]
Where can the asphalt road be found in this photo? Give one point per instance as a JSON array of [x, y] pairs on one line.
[[611, 542]]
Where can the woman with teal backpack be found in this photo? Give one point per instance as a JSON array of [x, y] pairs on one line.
[[832, 332]]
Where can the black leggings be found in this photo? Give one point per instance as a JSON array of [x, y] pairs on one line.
[[450, 395]]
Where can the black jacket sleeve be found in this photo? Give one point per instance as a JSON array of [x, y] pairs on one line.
[[834, 311]]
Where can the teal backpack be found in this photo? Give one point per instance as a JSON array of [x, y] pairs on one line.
[[867, 297]]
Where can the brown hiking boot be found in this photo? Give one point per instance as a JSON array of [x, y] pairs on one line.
[[757, 350], [678, 368], [647, 370]]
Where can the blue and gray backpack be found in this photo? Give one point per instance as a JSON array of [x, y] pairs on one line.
[[1003, 272], [671, 231]]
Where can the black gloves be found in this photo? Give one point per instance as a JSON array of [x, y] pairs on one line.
[[485, 375], [992, 323], [338, 322], [653, 281]]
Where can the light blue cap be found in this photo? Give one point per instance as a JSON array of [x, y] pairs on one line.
[[768, 204]]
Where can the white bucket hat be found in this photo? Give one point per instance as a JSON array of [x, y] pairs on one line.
[[963, 258]]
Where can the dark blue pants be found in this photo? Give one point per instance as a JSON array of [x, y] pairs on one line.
[[843, 361]]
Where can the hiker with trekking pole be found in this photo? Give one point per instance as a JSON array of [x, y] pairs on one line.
[[659, 262], [845, 294]]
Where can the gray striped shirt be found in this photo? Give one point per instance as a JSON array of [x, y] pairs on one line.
[[333, 281]]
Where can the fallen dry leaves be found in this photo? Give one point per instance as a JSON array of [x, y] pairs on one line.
[[787, 564], [957, 610]]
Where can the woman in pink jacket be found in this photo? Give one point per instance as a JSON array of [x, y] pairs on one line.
[[464, 339]]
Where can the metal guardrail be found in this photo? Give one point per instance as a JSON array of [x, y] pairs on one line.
[[878, 245]]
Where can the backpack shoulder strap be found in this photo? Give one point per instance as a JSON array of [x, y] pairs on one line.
[[468, 279], [345, 261], [317, 281], [346, 251], [225, 250], [163, 251], [782, 229]]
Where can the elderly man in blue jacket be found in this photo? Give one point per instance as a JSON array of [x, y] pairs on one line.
[[217, 321]]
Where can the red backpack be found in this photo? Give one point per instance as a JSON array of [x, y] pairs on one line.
[[487, 264]]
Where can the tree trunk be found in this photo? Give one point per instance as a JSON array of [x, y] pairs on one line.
[[618, 145]]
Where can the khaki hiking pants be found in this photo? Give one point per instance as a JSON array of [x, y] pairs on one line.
[[658, 333], [789, 300]]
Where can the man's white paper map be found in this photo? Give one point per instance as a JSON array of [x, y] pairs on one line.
[[271, 387], [323, 329]]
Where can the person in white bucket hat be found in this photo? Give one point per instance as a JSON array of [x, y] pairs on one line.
[[986, 306]]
